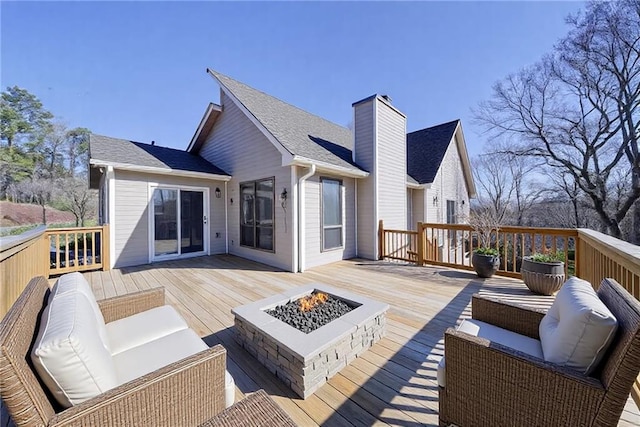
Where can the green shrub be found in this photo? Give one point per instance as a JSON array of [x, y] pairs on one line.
[[548, 257], [487, 251]]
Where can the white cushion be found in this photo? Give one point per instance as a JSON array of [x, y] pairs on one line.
[[75, 282], [68, 354], [143, 359], [143, 327], [229, 389], [578, 327], [493, 333]]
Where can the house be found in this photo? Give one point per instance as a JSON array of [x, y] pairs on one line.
[[265, 180]]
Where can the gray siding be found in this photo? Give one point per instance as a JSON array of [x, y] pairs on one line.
[[364, 157], [132, 214], [391, 167], [314, 255], [237, 146], [131, 220]]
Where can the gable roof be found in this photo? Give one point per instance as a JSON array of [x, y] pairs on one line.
[[297, 134], [426, 149], [131, 155]]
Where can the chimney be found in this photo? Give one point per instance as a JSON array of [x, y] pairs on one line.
[[380, 148]]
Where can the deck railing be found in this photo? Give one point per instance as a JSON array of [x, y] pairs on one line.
[[588, 254], [21, 258], [49, 252], [77, 249]]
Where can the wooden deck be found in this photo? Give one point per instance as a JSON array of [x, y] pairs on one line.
[[392, 383]]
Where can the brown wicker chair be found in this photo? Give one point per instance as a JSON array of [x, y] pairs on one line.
[[488, 384], [188, 392]]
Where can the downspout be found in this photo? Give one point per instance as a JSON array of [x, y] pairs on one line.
[[111, 214], [226, 219], [355, 220], [301, 222]]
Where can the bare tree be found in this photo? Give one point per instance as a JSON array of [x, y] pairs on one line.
[[78, 199], [578, 109], [506, 183]]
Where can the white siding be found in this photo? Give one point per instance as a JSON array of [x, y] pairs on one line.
[[314, 255], [449, 184], [132, 214], [364, 157], [237, 146], [391, 167]]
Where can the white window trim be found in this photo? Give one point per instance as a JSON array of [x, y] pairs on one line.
[[342, 215], [152, 186]]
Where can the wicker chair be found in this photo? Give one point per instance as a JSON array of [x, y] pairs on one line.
[[188, 392], [488, 384]]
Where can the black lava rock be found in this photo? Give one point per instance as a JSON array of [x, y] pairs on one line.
[[307, 321]]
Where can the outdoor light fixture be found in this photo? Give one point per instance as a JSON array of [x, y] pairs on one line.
[[218, 193], [283, 198], [435, 200]]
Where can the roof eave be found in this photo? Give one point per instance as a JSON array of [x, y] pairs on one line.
[[159, 171], [209, 118], [466, 163], [327, 167], [417, 186]]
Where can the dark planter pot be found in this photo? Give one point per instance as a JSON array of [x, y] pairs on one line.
[[485, 265], [544, 278]]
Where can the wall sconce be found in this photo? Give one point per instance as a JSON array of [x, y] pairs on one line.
[[462, 203], [435, 200], [218, 193], [283, 198], [231, 200]]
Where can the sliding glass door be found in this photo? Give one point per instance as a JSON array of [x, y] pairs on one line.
[[179, 222]]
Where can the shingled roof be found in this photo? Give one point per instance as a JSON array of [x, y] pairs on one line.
[[107, 150], [426, 149], [300, 133]]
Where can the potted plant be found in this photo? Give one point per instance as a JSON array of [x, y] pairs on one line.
[[485, 259], [543, 273]]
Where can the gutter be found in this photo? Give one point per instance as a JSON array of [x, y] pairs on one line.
[[301, 222]]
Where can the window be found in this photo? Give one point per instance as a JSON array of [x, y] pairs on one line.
[[451, 212], [451, 219], [256, 214], [331, 214]]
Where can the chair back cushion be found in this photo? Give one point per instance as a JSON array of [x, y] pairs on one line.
[[75, 282], [578, 327], [69, 354]]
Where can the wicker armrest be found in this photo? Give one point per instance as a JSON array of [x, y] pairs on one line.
[[490, 384], [127, 305], [258, 409], [187, 392], [517, 318]]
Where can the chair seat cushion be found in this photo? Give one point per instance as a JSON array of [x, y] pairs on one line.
[[495, 334], [143, 359], [578, 328], [68, 354], [144, 327], [146, 358]]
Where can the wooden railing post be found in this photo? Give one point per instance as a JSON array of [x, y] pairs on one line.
[[421, 243], [106, 251]]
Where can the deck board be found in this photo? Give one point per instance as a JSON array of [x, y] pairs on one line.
[[393, 383]]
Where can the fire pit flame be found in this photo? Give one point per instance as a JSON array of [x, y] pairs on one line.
[[313, 300]]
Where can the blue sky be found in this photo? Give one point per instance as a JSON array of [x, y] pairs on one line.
[[136, 70]]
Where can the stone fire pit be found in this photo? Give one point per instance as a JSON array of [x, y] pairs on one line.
[[305, 361]]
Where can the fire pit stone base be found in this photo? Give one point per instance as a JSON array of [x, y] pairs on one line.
[[304, 362]]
